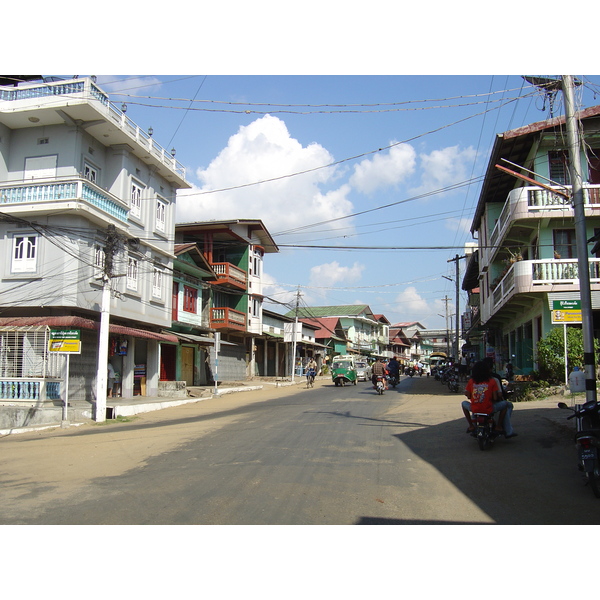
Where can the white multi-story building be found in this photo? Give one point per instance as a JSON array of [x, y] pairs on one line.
[[84, 193]]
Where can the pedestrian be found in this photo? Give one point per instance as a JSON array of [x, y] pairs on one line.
[[111, 379]]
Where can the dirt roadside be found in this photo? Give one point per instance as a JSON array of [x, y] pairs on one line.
[[57, 461]]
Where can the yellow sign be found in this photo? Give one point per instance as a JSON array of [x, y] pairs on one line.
[[65, 340], [566, 316]]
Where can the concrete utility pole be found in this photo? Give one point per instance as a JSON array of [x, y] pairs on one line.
[[574, 142], [102, 372], [457, 285]]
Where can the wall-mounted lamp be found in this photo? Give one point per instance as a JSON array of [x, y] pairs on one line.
[[173, 152], [150, 131], [124, 107]]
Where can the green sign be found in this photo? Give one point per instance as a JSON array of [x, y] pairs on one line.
[[65, 340], [566, 304]]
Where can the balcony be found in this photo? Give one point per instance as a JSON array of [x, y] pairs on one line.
[[83, 100], [227, 318], [230, 275], [535, 203], [62, 195], [538, 275]]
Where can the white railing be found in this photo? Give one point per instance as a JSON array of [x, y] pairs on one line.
[[525, 275], [29, 389], [529, 201], [86, 89], [63, 190]]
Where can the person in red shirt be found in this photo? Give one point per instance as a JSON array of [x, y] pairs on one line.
[[482, 390]]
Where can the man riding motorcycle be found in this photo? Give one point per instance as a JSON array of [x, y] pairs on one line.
[[379, 370]]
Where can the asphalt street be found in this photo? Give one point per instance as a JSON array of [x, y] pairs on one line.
[[293, 456]]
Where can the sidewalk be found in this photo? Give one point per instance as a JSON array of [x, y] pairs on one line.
[[15, 419]]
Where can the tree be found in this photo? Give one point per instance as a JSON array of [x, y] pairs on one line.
[[551, 353]]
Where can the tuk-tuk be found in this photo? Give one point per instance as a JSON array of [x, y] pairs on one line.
[[343, 370]]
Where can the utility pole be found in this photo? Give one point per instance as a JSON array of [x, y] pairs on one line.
[[446, 300], [574, 142], [295, 333], [102, 373], [457, 285]]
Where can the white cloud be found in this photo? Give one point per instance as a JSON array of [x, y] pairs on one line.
[[334, 275], [462, 225], [261, 151], [445, 167], [384, 170]]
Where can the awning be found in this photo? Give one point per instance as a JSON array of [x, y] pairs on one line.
[[82, 323], [199, 339]]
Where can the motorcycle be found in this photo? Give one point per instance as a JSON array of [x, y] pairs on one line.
[[409, 371], [379, 384], [393, 379], [453, 382], [484, 430], [587, 440]]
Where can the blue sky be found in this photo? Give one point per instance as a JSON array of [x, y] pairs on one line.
[[385, 107], [403, 154]]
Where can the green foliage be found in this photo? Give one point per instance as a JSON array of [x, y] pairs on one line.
[[551, 353]]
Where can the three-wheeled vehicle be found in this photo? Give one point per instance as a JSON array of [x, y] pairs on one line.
[[343, 370]]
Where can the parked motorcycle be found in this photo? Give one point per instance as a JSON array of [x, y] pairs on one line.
[[587, 440], [453, 384]]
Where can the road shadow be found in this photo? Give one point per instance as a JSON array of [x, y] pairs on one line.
[[531, 479]]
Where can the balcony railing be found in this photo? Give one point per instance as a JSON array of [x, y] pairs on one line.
[[526, 275], [530, 201], [29, 390], [227, 318], [228, 273], [85, 89], [64, 190]]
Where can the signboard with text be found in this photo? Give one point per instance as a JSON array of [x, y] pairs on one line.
[[566, 311], [66, 341]]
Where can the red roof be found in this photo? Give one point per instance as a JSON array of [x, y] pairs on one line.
[[82, 323], [326, 325]]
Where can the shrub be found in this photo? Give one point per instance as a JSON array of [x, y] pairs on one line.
[[551, 353]]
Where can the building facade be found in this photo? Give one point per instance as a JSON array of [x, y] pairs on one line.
[[86, 197], [527, 255]]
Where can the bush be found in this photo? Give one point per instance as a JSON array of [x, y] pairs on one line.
[[551, 353]]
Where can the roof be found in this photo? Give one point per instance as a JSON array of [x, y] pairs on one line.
[[408, 325], [351, 310], [326, 326], [223, 228], [82, 323], [515, 145]]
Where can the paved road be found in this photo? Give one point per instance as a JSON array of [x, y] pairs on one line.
[[325, 455]]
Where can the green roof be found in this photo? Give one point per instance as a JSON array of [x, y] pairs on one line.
[[351, 310]]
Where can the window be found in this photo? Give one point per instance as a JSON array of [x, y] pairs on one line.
[[136, 200], [99, 258], [559, 166], [90, 173], [564, 243], [190, 299], [132, 274], [24, 254], [157, 283], [161, 215]]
